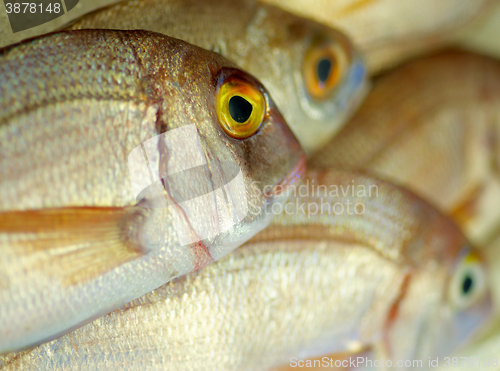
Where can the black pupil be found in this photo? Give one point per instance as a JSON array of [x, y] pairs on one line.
[[240, 109], [324, 69], [467, 285]]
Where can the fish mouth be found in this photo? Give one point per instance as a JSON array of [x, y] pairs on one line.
[[292, 178]]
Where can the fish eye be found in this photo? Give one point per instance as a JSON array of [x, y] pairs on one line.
[[324, 66], [468, 282], [240, 107]]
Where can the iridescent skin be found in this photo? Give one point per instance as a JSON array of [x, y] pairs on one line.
[[266, 41], [432, 126], [305, 286], [73, 105]]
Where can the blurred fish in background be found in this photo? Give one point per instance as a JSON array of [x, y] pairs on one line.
[[388, 32], [434, 133], [424, 129]]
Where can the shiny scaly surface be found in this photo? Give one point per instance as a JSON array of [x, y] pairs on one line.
[[308, 285], [432, 126], [266, 41], [389, 31], [75, 242]]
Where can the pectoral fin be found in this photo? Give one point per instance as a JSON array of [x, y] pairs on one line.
[[76, 244]]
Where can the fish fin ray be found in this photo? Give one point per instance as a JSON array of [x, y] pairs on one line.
[[76, 244]]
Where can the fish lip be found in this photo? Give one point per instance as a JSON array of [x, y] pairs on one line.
[[289, 180]]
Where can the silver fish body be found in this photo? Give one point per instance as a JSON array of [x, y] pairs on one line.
[[76, 239], [385, 274]]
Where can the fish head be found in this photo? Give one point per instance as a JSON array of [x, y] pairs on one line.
[[443, 305], [313, 72], [225, 155]]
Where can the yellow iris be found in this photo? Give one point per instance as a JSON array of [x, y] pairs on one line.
[[240, 108], [324, 65]]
